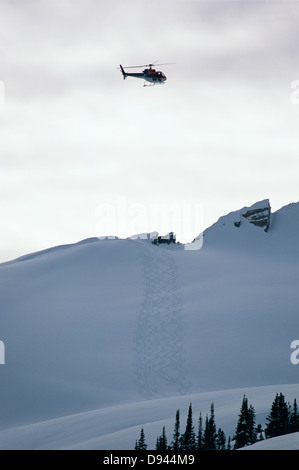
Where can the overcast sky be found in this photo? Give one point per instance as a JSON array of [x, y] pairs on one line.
[[84, 153]]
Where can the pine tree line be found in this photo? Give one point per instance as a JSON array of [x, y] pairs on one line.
[[207, 438], [283, 419]]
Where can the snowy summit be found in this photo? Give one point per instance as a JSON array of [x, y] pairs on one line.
[[123, 328]]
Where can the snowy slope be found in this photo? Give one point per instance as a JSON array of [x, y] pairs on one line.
[[117, 427], [287, 442], [107, 323]]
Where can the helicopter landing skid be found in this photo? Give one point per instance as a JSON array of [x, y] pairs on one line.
[[153, 84]]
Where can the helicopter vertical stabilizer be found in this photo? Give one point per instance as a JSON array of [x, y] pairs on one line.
[[123, 72]]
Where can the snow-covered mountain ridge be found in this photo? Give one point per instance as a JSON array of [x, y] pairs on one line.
[[113, 322]]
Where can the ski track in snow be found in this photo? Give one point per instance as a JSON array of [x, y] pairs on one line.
[[159, 333]]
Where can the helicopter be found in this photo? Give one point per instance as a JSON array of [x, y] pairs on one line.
[[148, 74]]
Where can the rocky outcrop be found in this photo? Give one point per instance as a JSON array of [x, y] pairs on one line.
[[259, 214]]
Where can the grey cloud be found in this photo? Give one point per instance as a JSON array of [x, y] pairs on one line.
[[49, 42], [72, 125]]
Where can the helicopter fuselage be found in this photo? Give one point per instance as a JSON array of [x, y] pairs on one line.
[[150, 75]]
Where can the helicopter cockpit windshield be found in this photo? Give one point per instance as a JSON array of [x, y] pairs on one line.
[[160, 76]]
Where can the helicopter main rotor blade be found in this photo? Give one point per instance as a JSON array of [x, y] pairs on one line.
[[167, 63], [146, 65], [149, 65], [136, 66]]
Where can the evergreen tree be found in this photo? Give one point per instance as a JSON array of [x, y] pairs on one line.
[[294, 418], [229, 444], [245, 433], [163, 440], [188, 438], [140, 444], [252, 432], [259, 432], [210, 432], [161, 443], [220, 440], [278, 419], [206, 435], [175, 444], [199, 443]]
